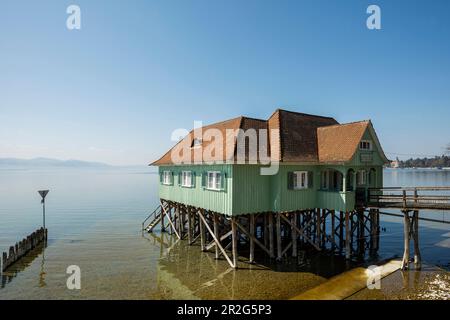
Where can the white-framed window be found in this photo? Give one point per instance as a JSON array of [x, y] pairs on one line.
[[213, 180], [186, 179], [365, 145], [300, 180], [361, 177], [167, 177]]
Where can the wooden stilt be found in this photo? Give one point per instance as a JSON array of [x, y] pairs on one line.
[[347, 236], [417, 256], [333, 230], [341, 231], [294, 234], [406, 236], [202, 233], [189, 218], [324, 227], [234, 241], [216, 231], [252, 237], [271, 244], [318, 220], [266, 230], [278, 231]]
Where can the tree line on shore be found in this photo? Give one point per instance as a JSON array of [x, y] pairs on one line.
[[436, 162]]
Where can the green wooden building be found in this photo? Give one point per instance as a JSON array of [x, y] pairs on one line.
[[323, 167], [322, 164]]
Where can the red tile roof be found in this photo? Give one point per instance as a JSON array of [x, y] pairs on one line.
[[292, 137]]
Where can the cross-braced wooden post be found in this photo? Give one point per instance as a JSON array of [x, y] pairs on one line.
[[252, 238]]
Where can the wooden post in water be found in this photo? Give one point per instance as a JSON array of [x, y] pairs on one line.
[[417, 256], [341, 231], [234, 241], [318, 235], [189, 225], [333, 227], [271, 244], [252, 241], [347, 236], [216, 232], [294, 235], [266, 230], [406, 236], [202, 233], [278, 230]]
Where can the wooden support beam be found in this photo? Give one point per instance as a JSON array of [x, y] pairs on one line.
[[202, 223], [170, 222], [216, 232], [278, 232], [300, 231], [234, 242], [189, 218], [415, 231], [406, 238], [341, 230], [287, 248], [333, 230], [252, 238], [294, 234], [266, 231], [271, 244], [318, 220], [347, 236], [203, 220]]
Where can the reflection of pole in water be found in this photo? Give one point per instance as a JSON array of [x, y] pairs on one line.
[[42, 274]]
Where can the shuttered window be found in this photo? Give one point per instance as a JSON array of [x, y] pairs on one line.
[[299, 180], [214, 180], [167, 177], [186, 179]]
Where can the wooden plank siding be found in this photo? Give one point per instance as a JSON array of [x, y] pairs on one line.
[[197, 196], [247, 191]]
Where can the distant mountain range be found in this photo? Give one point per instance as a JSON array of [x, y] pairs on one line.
[[47, 162]]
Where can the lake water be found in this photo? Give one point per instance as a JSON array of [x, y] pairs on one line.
[[94, 218]]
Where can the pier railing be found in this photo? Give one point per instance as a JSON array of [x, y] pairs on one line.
[[410, 198]]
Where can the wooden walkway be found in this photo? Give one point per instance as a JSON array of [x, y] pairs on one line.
[[410, 201], [414, 198]]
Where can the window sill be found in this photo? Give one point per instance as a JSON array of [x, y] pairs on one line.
[[189, 187], [213, 189]]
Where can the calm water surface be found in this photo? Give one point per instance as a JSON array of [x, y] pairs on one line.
[[94, 218]]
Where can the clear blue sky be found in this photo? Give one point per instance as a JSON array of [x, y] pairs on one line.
[[116, 89]]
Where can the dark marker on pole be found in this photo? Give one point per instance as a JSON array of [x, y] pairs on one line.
[[43, 193]]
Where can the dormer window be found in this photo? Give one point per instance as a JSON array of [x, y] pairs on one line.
[[196, 142], [365, 145]]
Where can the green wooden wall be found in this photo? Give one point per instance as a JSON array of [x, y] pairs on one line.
[[247, 191]]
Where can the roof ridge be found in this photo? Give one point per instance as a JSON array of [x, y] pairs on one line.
[[220, 122], [251, 118], [303, 114], [345, 124]]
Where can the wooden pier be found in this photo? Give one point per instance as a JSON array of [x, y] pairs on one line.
[[410, 201]]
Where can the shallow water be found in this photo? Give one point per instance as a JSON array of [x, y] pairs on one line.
[[94, 218]]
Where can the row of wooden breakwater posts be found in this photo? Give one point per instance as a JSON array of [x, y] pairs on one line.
[[23, 247]]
